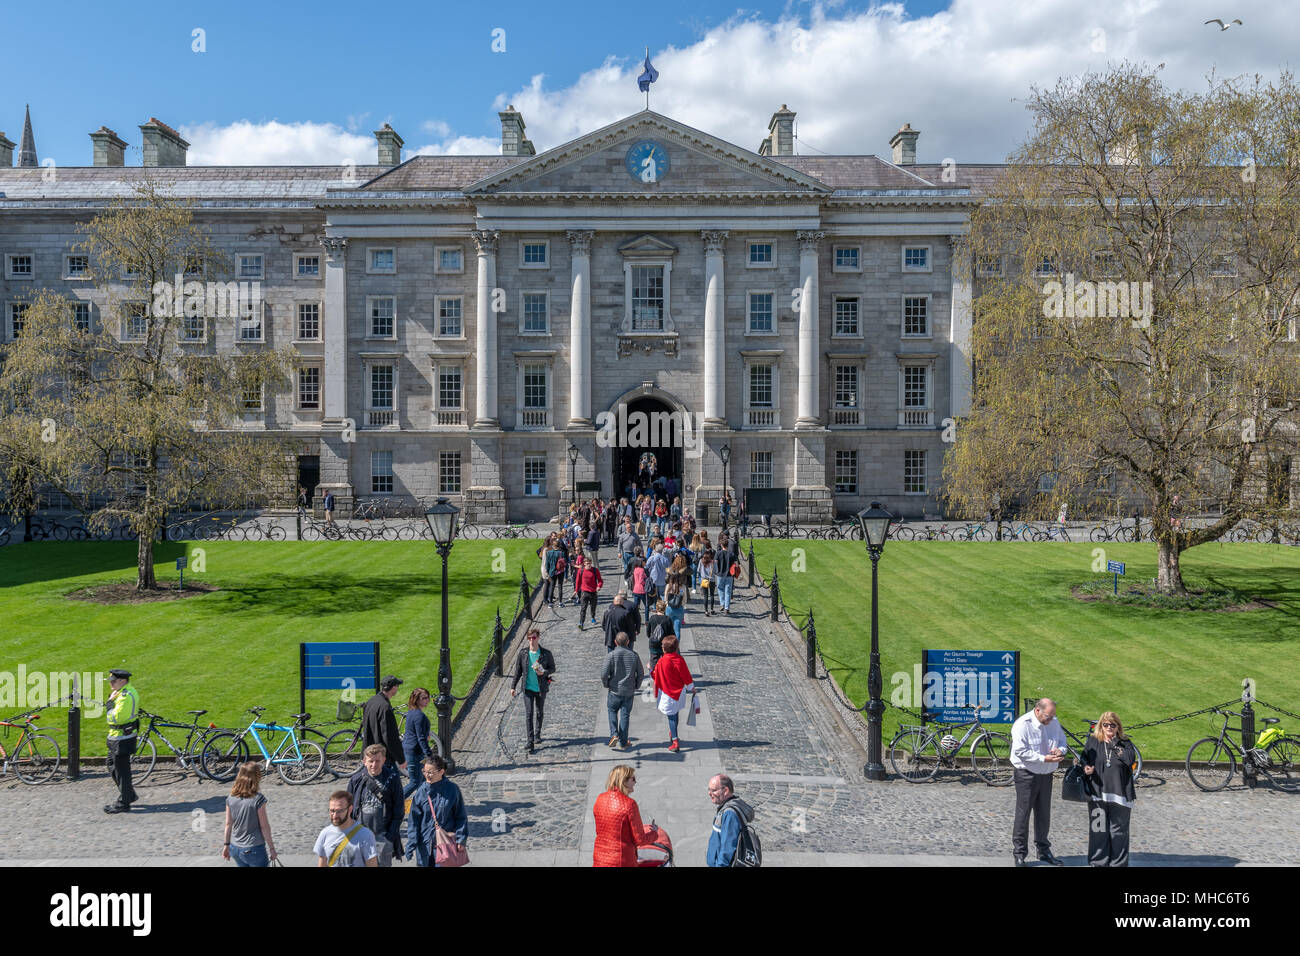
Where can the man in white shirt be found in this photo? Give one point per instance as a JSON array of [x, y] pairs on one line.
[[1037, 747]]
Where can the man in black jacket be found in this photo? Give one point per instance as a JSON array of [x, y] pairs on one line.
[[534, 666], [379, 726], [620, 617], [377, 802]]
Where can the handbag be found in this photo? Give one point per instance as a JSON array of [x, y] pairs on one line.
[[447, 853], [1075, 786]]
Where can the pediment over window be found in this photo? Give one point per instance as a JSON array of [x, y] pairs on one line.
[[647, 245]]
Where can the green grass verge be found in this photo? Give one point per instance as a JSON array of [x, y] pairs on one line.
[[236, 647], [1143, 663]]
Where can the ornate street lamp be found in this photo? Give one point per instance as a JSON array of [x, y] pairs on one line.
[[573, 463], [443, 525], [874, 522], [725, 454]]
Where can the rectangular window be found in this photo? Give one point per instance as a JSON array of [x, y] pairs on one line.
[[18, 267], [647, 298], [307, 267], [914, 472], [252, 395], [989, 267], [382, 261], [381, 472], [916, 258], [760, 312], [534, 254], [250, 266], [382, 310], [81, 316], [915, 392], [846, 472], [309, 321], [1046, 266], [916, 315], [449, 473], [250, 323], [76, 267], [847, 259], [535, 476], [17, 315], [760, 254], [846, 317], [193, 267], [449, 316], [194, 328], [535, 313], [381, 387], [309, 388], [760, 469], [846, 386], [451, 259], [136, 323], [1107, 264], [535, 387], [449, 387], [760, 386]]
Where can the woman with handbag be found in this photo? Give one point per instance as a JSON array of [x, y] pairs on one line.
[[728, 567], [672, 683], [1108, 762], [439, 825], [619, 830], [708, 580]]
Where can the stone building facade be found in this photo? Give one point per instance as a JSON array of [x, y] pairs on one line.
[[465, 325]]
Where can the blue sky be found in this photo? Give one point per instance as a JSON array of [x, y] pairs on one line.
[[287, 82]]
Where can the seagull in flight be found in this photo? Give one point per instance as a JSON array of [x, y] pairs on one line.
[[1222, 26]]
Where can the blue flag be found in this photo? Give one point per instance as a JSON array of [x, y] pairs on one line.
[[648, 76]]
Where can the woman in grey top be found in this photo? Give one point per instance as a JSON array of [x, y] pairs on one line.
[[248, 832]]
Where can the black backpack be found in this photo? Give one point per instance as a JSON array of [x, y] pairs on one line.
[[749, 849]]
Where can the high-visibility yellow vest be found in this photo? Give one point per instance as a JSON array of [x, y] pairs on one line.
[[124, 714]]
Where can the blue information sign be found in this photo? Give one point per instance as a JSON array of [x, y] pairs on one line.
[[954, 681], [1115, 567], [336, 665]]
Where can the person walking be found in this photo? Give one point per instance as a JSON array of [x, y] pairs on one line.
[[621, 676], [415, 739], [728, 562], [535, 665], [1037, 747], [620, 617], [708, 581], [619, 830], [628, 542], [378, 802], [438, 805], [728, 820], [675, 604], [247, 835], [672, 682], [659, 626], [123, 712], [657, 566], [550, 557], [661, 516], [379, 725], [640, 584], [593, 539], [1108, 760], [329, 507], [344, 842], [589, 582], [724, 506]]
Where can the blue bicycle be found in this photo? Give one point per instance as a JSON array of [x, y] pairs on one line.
[[297, 761]]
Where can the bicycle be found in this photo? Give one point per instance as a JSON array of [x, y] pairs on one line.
[[973, 532], [35, 758], [1280, 758], [1081, 742], [1055, 532], [917, 753], [297, 761], [343, 749], [187, 755]]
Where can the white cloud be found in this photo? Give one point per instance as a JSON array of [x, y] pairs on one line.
[[244, 143]]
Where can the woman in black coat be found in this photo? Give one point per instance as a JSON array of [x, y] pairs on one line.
[[1108, 760]]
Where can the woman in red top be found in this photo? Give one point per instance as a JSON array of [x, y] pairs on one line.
[[619, 830], [672, 679]]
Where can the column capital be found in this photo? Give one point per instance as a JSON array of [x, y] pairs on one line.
[[808, 240], [714, 240], [334, 245], [485, 240], [580, 241]]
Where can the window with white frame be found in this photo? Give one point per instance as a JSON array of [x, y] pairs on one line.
[[383, 310], [536, 392], [914, 471], [916, 387], [760, 469], [762, 316], [647, 298], [251, 396], [250, 265], [451, 309], [535, 476], [81, 316], [1046, 266], [846, 386], [989, 267], [449, 473], [762, 254], [846, 316], [381, 472], [193, 328], [17, 318], [309, 388], [19, 266], [916, 316], [1046, 482], [761, 392], [449, 259], [306, 266], [135, 322], [309, 321], [450, 388], [916, 258], [534, 254], [535, 312], [381, 387], [846, 472], [76, 266], [250, 321], [382, 261], [848, 259]]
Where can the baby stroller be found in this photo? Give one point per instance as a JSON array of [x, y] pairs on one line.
[[658, 853]]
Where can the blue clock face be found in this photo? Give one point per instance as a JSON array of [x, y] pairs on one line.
[[647, 162]]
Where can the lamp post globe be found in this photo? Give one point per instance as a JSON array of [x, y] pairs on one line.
[[443, 526], [874, 522]]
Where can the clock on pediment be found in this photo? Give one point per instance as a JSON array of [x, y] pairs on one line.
[[647, 161]]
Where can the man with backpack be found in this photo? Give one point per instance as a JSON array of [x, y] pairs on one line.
[[733, 841], [659, 626]]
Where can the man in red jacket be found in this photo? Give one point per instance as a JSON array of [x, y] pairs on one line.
[[589, 582]]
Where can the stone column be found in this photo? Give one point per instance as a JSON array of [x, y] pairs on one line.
[[715, 336], [809, 336], [485, 353], [580, 329], [335, 328], [959, 352]]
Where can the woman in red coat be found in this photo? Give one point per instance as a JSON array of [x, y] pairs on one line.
[[672, 681], [619, 830]]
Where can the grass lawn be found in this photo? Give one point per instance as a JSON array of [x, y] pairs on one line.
[[1089, 657], [238, 646]]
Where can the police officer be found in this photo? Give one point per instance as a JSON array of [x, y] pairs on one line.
[[123, 723]]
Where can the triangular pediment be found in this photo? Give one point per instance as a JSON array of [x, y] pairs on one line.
[[647, 245], [697, 164]]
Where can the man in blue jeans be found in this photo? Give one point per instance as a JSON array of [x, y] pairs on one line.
[[622, 676]]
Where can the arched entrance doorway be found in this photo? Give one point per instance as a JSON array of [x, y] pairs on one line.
[[648, 445]]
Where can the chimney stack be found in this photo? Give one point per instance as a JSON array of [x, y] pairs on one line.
[[109, 149], [513, 142], [162, 145], [390, 146], [780, 135], [6, 152], [904, 146]]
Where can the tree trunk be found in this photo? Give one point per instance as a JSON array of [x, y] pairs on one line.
[[1169, 573], [144, 579]]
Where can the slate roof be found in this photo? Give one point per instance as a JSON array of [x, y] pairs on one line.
[[441, 172], [189, 182]]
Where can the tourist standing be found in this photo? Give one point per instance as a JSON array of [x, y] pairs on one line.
[[415, 739], [247, 836], [708, 581], [1108, 759], [378, 802], [728, 567], [344, 842], [619, 830], [728, 821], [550, 562], [628, 542], [378, 723], [621, 676], [589, 582], [672, 682], [437, 805], [640, 583], [329, 507], [1037, 748], [535, 665]]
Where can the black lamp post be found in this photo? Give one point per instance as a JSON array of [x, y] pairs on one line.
[[725, 454], [573, 463], [443, 525], [874, 522]]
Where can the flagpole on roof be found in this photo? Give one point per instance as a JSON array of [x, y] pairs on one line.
[[647, 89]]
